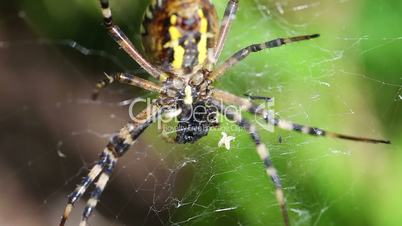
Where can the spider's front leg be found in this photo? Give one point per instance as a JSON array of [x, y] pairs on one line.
[[262, 152], [117, 146]]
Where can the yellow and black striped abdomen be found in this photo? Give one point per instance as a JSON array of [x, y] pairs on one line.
[[177, 34]]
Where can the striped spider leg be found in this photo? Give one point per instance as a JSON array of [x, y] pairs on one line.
[[121, 39], [101, 171], [262, 152], [253, 97], [183, 42], [125, 78], [243, 53], [249, 106], [246, 105], [129, 79], [228, 17]]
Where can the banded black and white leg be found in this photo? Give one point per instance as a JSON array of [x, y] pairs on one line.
[[228, 17], [86, 181], [243, 53], [101, 171], [254, 97], [125, 78], [262, 152], [99, 187], [121, 39], [249, 106]]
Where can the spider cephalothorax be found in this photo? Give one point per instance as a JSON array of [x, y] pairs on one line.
[[182, 42], [195, 121], [191, 100]]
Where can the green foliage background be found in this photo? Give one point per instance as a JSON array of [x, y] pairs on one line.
[[327, 182]]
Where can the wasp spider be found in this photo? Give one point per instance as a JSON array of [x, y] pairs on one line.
[[183, 41]]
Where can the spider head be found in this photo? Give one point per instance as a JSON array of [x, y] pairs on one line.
[[195, 121]]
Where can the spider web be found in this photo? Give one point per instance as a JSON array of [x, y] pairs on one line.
[[347, 81]]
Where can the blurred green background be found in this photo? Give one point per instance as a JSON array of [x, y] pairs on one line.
[[349, 81]]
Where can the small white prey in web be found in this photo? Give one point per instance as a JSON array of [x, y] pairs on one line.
[[225, 140]]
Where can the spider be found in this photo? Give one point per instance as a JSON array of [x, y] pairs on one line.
[[183, 41]]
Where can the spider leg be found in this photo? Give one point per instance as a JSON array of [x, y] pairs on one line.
[[125, 78], [83, 186], [228, 17], [264, 98], [117, 146], [99, 187], [121, 39], [247, 105], [243, 53], [262, 152]]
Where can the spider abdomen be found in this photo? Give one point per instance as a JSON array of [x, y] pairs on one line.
[[178, 34]]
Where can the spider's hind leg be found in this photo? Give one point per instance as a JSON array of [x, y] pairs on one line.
[[228, 17], [123, 41], [243, 53]]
